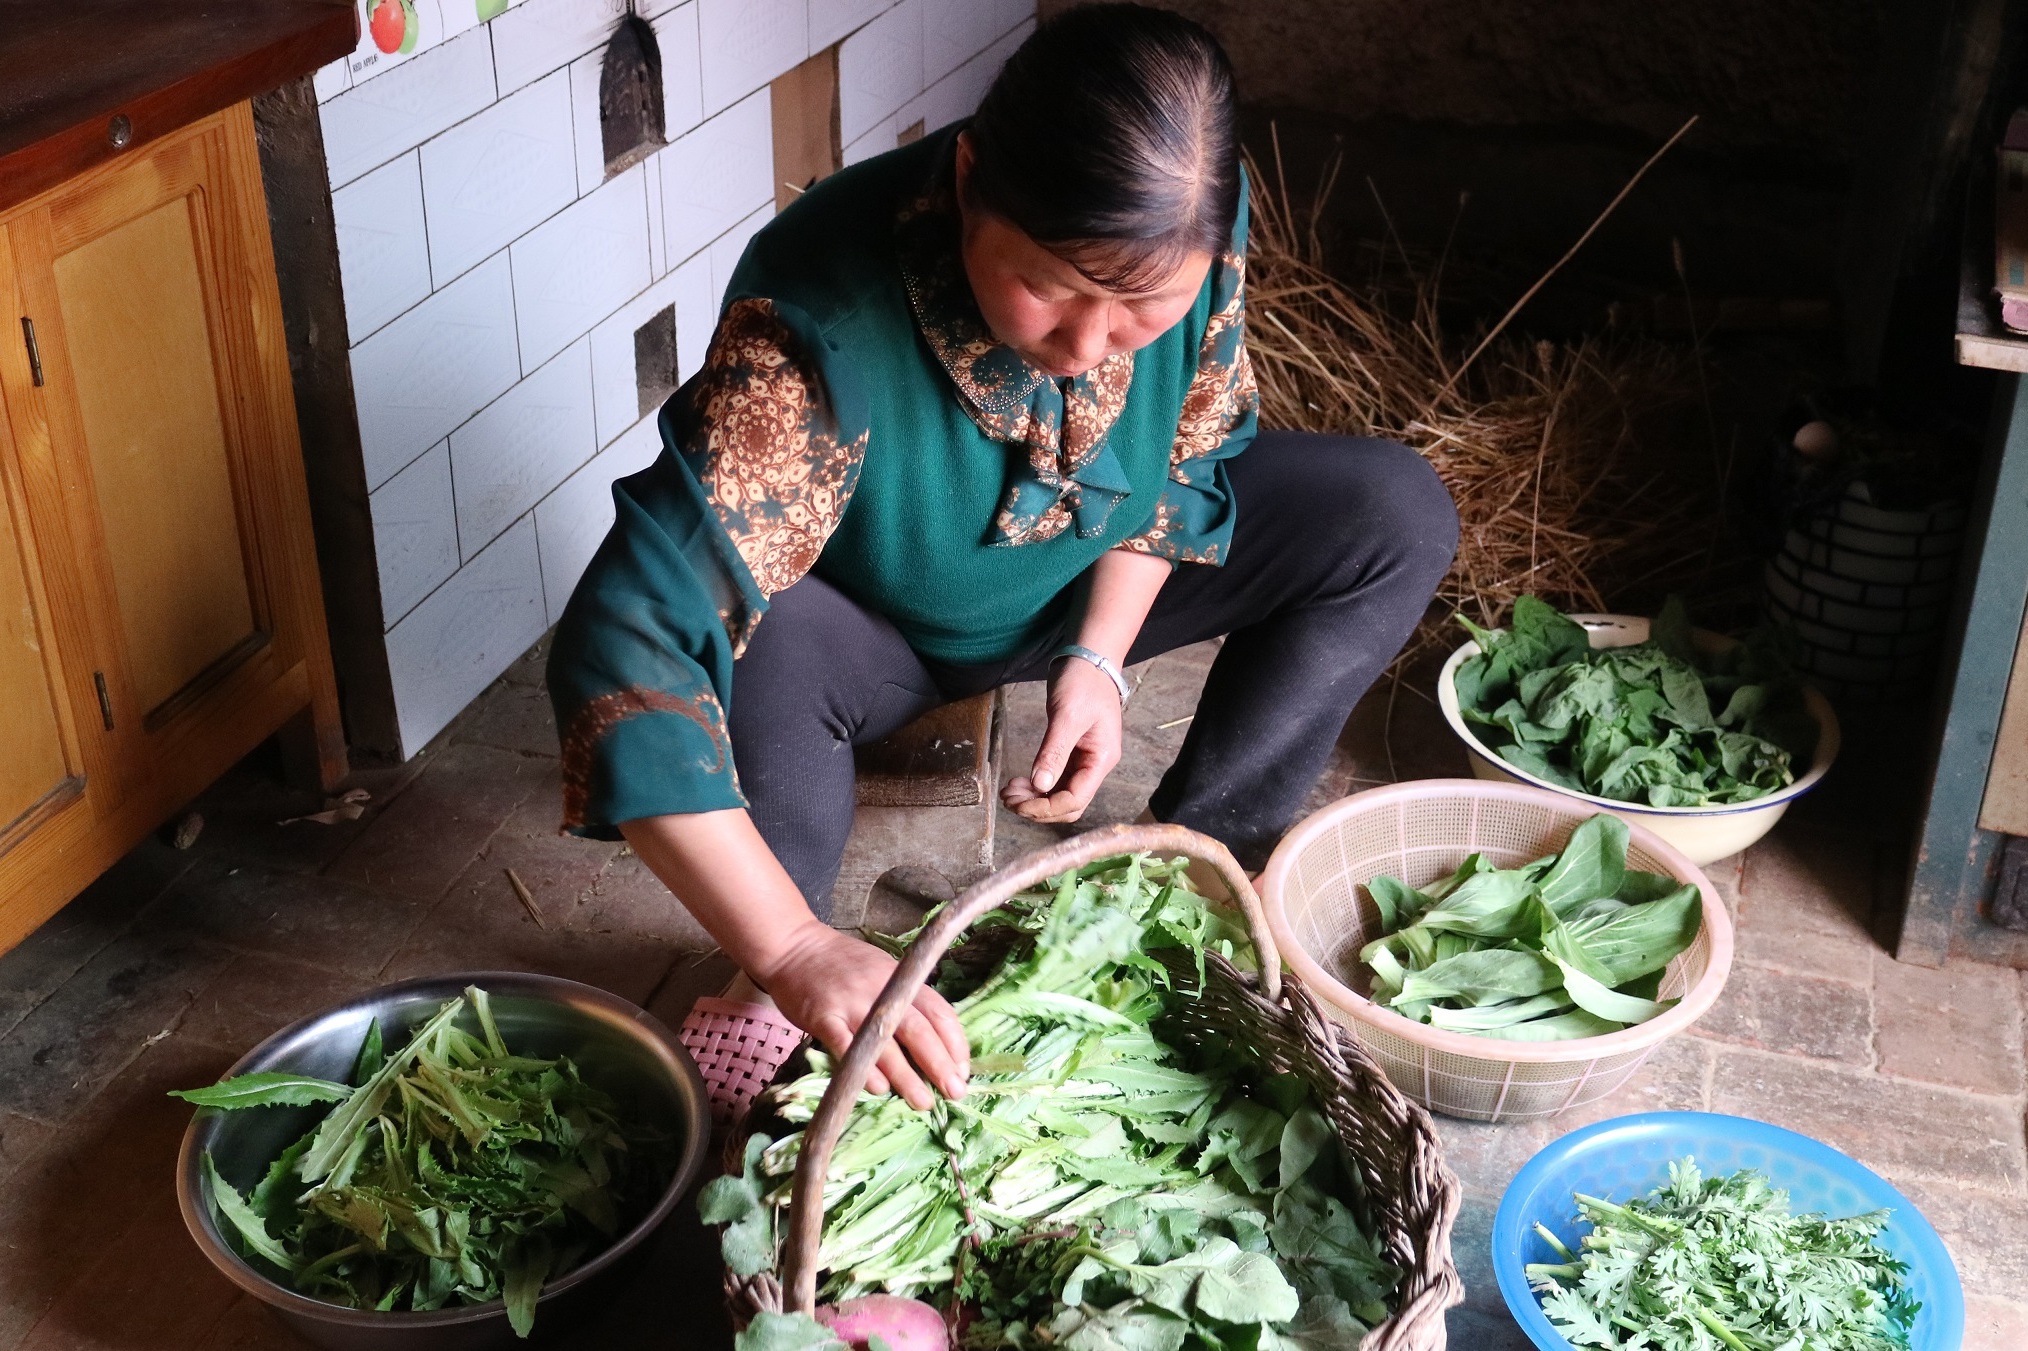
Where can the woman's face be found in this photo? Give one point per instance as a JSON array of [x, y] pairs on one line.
[[1059, 320]]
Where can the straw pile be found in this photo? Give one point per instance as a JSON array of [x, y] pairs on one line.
[[1552, 450]]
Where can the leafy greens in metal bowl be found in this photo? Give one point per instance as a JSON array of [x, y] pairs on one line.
[[450, 1172], [1669, 722]]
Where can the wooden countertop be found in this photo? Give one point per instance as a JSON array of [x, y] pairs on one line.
[[69, 67]]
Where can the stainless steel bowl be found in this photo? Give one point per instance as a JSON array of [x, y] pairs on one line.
[[619, 1048]]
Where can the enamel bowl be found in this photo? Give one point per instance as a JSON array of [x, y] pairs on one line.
[[1702, 834]]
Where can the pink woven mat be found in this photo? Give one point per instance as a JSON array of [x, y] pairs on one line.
[[737, 1047]]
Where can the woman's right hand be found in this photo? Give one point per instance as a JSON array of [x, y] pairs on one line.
[[826, 982]]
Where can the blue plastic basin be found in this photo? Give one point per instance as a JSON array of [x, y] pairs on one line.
[[1629, 1156]]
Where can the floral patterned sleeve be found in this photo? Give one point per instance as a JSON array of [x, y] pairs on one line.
[[1193, 517], [756, 470]]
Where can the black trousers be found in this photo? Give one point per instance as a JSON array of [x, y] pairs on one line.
[[1338, 545]]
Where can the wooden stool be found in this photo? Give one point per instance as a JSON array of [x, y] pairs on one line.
[[925, 799]]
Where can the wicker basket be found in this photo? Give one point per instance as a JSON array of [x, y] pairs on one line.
[[1410, 1198], [1317, 906]]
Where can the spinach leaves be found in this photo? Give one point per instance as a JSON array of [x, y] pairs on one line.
[[1572, 945], [1097, 1187], [1709, 1262], [451, 1172], [1658, 723]]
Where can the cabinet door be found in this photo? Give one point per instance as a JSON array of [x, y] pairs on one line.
[[150, 394], [38, 771], [44, 752], [176, 462]]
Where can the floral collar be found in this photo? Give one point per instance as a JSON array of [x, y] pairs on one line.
[[1070, 476]]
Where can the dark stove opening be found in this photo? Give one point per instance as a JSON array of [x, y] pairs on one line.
[[655, 359], [631, 124]]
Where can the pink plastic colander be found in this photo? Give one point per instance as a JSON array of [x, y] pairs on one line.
[[738, 1048]]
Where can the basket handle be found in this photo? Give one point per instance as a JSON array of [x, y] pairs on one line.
[[806, 1206]]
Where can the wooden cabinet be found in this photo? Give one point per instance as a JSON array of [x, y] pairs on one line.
[[159, 607]]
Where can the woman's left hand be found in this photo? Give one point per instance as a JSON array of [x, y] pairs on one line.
[[1080, 747]]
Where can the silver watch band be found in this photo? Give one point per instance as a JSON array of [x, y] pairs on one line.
[[1100, 660]]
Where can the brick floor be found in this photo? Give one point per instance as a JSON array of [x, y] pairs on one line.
[[175, 962]]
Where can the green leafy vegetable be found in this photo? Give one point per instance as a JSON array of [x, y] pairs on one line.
[[245, 1221], [1107, 1183], [1707, 1262], [453, 1173], [1635, 723], [1565, 947], [266, 1088], [786, 1332]]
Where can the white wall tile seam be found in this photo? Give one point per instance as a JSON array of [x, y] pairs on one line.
[[476, 112], [720, 100], [437, 287], [577, 169], [572, 465], [445, 161], [629, 430], [440, 667], [609, 24], [613, 185], [961, 69], [492, 98], [706, 250], [729, 158], [522, 375], [535, 527], [531, 371], [679, 120], [422, 189], [526, 376], [380, 511], [501, 395], [816, 47], [451, 464], [387, 625], [411, 463], [388, 259]]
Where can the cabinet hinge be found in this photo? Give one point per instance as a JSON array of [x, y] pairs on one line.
[[105, 700], [34, 352]]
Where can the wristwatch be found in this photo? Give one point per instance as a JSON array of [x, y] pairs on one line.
[[1100, 660]]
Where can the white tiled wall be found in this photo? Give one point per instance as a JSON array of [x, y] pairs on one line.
[[397, 110], [435, 366], [494, 274], [491, 179], [415, 531], [572, 520], [743, 44], [449, 648], [523, 444], [383, 246], [616, 400], [715, 175], [580, 265], [879, 68], [537, 36]]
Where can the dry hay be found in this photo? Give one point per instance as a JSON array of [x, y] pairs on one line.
[[1564, 458]]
